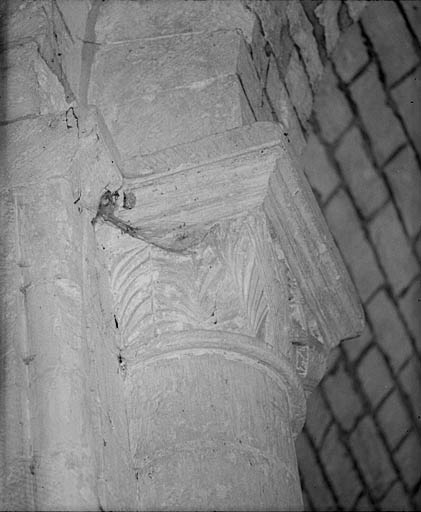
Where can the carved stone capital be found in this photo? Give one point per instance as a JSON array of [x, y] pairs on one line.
[[224, 235]]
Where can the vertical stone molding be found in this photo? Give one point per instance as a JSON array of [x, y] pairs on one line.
[[46, 324]]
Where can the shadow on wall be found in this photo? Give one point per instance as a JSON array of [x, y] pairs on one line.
[[361, 446]]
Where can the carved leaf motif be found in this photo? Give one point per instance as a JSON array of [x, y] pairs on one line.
[[153, 292], [240, 258], [230, 282]]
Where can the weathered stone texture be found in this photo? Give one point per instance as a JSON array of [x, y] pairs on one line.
[[116, 379], [356, 7], [393, 248], [407, 456], [408, 99], [70, 29], [343, 222], [394, 419], [396, 498], [350, 55], [368, 189], [272, 22], [49, 244], [373, 371], [126, 20], [339, 467], [319, 171], [229, 438], [194, 92], [381, 124], [331, 109], [356, 346], [379, 84], [375, 464], [299, 88], [411, 309], [30, 87], [284, 109], [392, 41], [404, 177], [327, 13], [413, 12], [318, 419], [302, 33], [310, 472], [409, 377], [389, 330], [344, 401]]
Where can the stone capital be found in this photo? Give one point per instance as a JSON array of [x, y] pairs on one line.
[[237, 242]]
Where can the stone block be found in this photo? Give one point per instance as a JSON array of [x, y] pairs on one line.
[[272, 19], [374, 376], [125, 20], [299, 88], [251, 83], [408, 99], [391, 40], [162, 92], [410, 305], [418, 246], [281, 104], [29, 149], [315, 484], [327, 13], [355, 8], [357, 252], [30, 86], [393, 248], [301, 31], [391, 336], [373, 458], [22, 20], [410, 380], [332, 110], [382, 126], [408, 457], [321, 174], [70, 37], [355, 346], [350, 54], [396, 499], [259, 52], [393, 419], [344, 401], [404, 177], [367, 188], [340, 470], [413, 12], [318, 418], [263, 112], [364, 503]]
